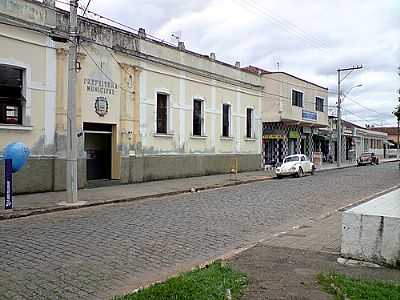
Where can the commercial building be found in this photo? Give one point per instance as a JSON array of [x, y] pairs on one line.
[[293, 111], [355, 140], [146, 110], [392, 133]]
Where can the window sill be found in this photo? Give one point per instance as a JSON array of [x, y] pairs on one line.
[[226, 138], [198, 137], [164, 135], [15, 127], [247, 139]]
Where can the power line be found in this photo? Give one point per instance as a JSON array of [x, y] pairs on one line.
[[102, 71], [157, 39], [361, 118], [259, 11], [367, 108], [289, 24]]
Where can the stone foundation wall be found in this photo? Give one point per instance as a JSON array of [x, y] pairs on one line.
[[149, 168], [48, 174], [42, 175]]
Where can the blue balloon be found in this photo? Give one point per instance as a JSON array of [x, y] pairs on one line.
[[19, 154]]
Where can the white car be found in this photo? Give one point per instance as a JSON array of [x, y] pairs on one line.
[[297, 164]]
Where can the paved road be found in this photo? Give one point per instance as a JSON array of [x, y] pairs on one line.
[[98, 252]]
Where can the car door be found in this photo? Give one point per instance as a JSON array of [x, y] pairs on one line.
[[306, 164]]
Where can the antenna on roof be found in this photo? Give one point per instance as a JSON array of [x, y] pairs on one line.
[[176, 37], [277, 65]]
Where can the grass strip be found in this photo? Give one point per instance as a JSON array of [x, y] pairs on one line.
[[210, 283], [344, 287]]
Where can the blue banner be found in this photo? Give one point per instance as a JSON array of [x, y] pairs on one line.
[[8, 184], [309, 115]]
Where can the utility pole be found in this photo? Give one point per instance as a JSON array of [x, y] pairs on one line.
[[397, 114], [339, 113], [72, 153]]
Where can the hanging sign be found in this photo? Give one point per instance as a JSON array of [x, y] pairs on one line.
[[309, 115], [273, 136], [294, 134]]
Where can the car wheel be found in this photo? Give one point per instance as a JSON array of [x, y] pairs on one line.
[[279, 176], [300, 173]]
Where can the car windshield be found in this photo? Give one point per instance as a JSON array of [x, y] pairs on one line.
[[291, 158]]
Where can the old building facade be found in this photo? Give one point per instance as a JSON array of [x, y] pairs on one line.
[[293, 110], [355, 140], [146, 110]]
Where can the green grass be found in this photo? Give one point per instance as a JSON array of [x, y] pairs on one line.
[[342, 286], [210, 283]]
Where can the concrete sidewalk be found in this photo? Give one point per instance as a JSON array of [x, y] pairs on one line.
[[38, 203], [286, 265]]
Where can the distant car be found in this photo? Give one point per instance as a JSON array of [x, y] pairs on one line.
[[297, 165], [367, 158]]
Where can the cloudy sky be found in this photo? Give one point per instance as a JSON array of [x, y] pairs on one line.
[[308, 38]]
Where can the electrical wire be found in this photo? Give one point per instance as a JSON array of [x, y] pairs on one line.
[[93, 60], [251, 7], [102, 71], [291, 26], [159, 40], [367, 108]]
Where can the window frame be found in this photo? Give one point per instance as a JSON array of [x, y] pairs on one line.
[[202, 116], [229, 105], [167, 113], [252, 121], [302, 98], [317, 106], [17, 102]]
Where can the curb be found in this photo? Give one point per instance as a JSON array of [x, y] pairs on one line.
[[38, 211], [353, 166]]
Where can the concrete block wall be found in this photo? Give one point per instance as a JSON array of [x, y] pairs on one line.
[[371, 231]]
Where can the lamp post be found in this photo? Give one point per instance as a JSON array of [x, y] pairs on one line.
[[348, 92]]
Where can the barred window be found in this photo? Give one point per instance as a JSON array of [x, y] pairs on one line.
[[226, 119], [198, 117], [249, 122], [11, 98], [162, 113], [319, 104], [297, 98]]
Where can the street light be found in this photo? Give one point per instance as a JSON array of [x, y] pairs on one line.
[[353, 87]]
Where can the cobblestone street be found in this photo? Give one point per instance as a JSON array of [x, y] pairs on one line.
[[99, 252]]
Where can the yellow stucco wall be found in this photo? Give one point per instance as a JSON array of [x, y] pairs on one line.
[[35, 54]]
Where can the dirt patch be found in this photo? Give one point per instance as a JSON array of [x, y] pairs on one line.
[[284, 273]]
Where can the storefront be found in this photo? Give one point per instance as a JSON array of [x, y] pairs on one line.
[[279, 140]]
